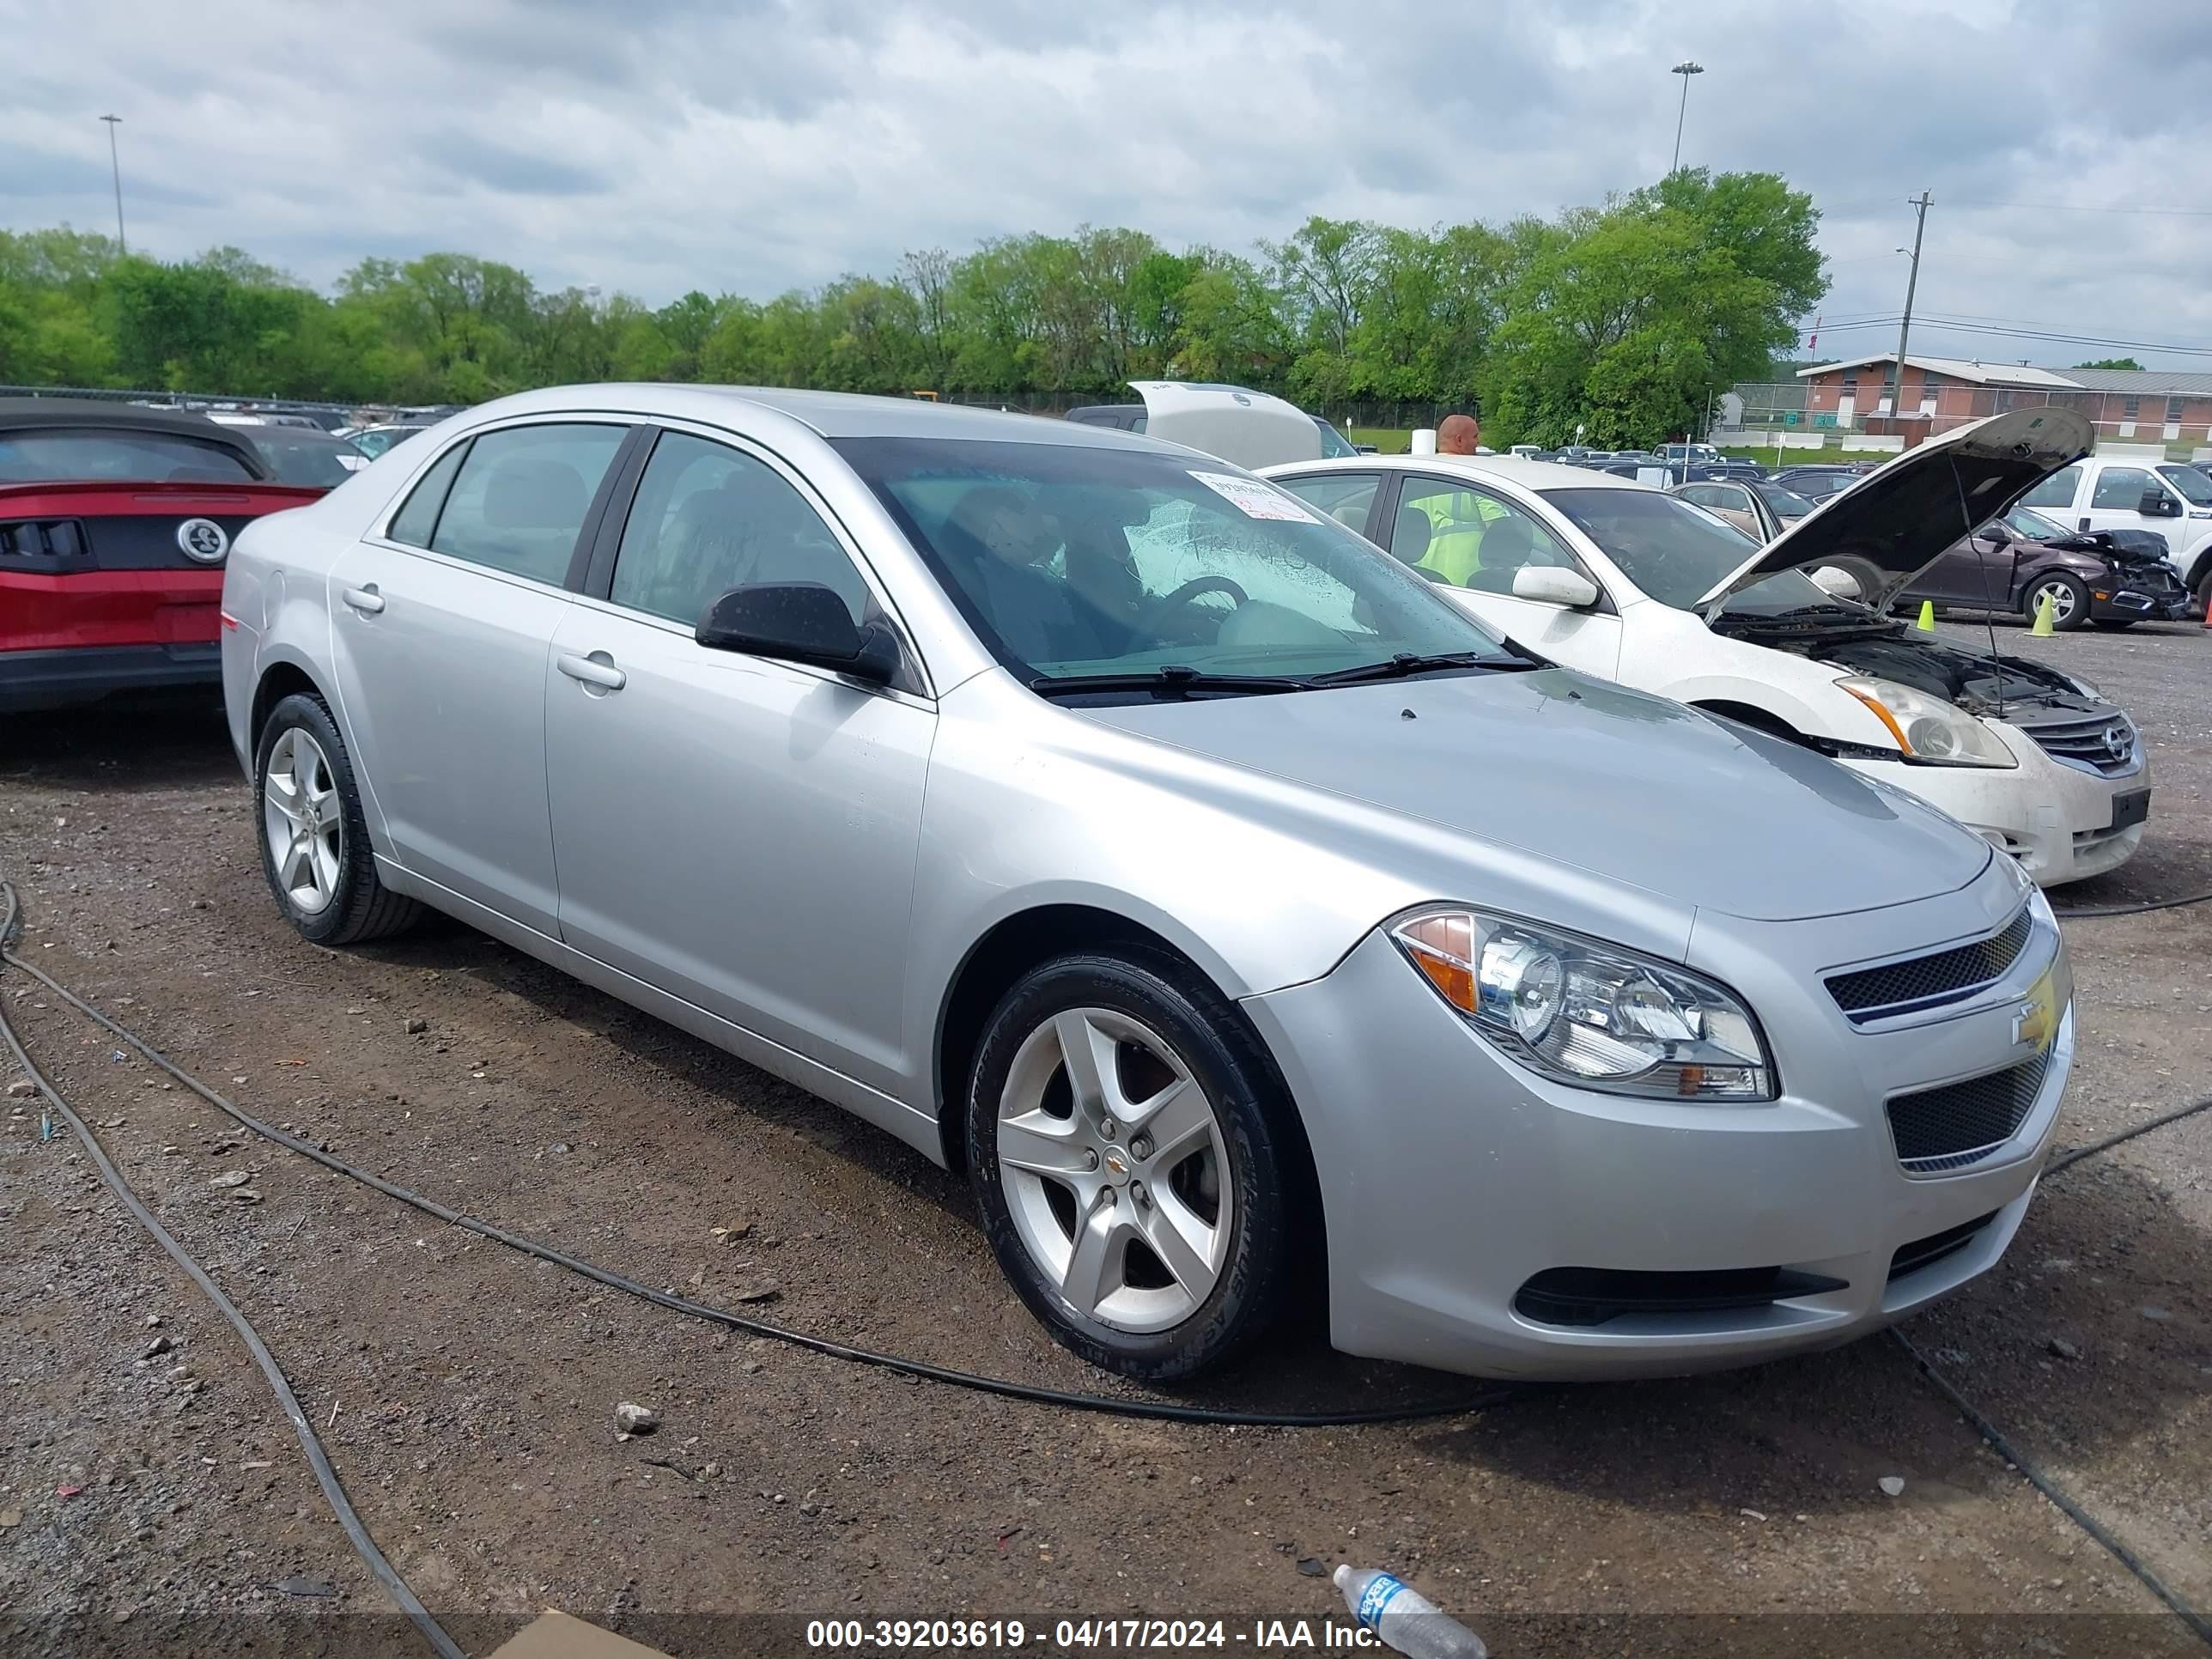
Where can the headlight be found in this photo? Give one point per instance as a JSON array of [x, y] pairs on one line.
[[1928, 729], [1593, 1015]]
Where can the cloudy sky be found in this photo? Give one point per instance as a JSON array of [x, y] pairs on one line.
[[746, 145]]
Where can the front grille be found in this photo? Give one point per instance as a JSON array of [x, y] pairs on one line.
[[1927, 1252], [1937, 1130], [2105, 743], [1930, 982], [1591, 1296]]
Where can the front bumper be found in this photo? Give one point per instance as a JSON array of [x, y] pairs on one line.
[[33, 680], [2054, 819], [1451, 1176], [2127, 601]]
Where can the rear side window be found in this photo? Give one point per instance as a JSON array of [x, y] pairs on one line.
[[414, 523], [2121, 487], [95, 457], [1344, 496], [2056, 490], [708, 519], [521, 497]]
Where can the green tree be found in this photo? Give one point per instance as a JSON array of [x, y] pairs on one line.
[[2111, 362]]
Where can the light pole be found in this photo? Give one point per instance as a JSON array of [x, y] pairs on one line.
[[1911, 283], [1685, 69], [115, 166]]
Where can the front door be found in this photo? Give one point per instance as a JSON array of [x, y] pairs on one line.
[[739, 832], [2117, 501], [1473, 542], [439, 631]]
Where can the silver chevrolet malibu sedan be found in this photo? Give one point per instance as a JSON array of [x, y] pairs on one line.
[[1248, 923]]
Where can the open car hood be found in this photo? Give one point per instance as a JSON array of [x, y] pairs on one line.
[[1244, 428], [1900, 517]]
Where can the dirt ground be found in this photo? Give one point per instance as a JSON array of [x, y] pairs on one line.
[[466, 1392]]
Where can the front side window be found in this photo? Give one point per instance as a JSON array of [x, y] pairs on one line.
[[522, 495], [2122, 488], [1783, 503], [1071, 562], [2190, 482], [708, 519], [92, 457], [2056, 490], [1475, 539]]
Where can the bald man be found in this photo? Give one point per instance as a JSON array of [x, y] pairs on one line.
[[1459, 435]]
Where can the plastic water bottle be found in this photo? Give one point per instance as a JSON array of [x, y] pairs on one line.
[[1405, 1618]]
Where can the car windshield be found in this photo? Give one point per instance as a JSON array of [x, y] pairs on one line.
[[1075, 561], [92, 457], [297, 456], [2190, 482], [1785, 503], [2032, 526], [1676, 553]]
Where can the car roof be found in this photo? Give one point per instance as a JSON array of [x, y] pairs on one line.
[[827, 413], [1513, 469], [37, 414]]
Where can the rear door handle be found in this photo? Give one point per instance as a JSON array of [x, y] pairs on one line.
[[592, 671], [367, 601]]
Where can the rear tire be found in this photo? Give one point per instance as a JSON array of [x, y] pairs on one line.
[[315, 850], [1141, 1214], [2070, 596]]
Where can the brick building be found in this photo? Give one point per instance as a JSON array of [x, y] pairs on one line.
[[2147, 406]]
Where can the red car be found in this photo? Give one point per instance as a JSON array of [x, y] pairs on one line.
[[114, 524]]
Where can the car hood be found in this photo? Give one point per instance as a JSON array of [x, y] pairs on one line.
[[1634, 788], [1900, 517], [1246, 428]]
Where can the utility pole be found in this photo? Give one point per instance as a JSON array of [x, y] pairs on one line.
[[115, 166], [1685, 70], [1904, 323]]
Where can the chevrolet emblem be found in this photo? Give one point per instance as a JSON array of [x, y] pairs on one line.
[[2036, 1020]]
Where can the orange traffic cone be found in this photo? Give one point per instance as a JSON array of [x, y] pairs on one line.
[[2207, 607]]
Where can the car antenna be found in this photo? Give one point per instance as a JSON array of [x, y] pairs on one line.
[[1967, 518]]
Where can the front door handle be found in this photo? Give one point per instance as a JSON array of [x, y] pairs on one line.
[[367, 601], [593, 670]]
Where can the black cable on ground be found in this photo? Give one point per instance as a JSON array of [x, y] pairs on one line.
[[2051, 1490], [1161, 1411], [318, 1460], [2092, 912], [2075, 1154]]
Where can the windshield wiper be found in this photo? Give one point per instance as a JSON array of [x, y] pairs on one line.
[[1408, 662], [1173, 681]]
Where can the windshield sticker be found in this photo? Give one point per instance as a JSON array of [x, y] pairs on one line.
[[1253, 499]]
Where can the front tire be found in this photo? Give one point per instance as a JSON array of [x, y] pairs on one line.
[[1125, 1151], [2069, 601], [315, 850]]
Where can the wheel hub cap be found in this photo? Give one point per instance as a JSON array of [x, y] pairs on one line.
[[1115, 1167], [303, 819]]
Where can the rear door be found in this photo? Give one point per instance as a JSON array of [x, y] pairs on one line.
[[2056, 495], [441, 629]]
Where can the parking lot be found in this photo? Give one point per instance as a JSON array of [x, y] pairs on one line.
[[466, 1392]]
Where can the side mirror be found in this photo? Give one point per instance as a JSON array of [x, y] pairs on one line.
[[1996, 534], [1836, 584], [2157, 504], [1552, 583], [798, 621]]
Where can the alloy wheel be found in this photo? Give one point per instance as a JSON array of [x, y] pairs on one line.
[[2062, 601], [303, 818], [1115, 1170]]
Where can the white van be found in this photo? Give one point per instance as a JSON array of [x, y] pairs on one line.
[[2117, 493]]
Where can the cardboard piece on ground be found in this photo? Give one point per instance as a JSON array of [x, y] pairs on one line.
[[556, 1636]]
